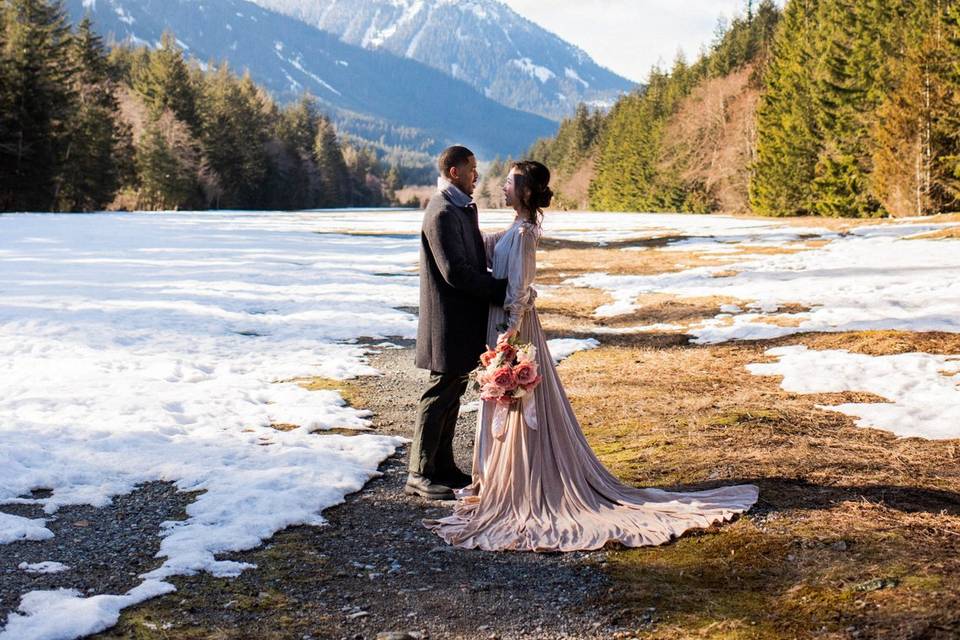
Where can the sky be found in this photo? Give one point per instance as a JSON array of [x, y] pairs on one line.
[[630, 36]]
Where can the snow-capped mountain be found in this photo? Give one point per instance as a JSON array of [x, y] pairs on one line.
[[483, 42], [374, 95]]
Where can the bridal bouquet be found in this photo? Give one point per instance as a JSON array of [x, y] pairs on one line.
[[508, 372]]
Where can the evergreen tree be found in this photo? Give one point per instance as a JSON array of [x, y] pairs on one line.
[[848, 94], [950, 120], [98, 142], [234, 134], [293, 180], [334, 177], [163, 81], [298, 124], [39, 101], [7, 123], [914, 136], [167, 171], [788, 138]]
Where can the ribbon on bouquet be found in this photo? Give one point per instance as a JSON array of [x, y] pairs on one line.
[[527, 409], [502, 411]]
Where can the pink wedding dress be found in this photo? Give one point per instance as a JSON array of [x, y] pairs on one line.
[[537, 485]]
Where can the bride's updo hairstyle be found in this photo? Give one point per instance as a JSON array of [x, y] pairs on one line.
[[532, 188]]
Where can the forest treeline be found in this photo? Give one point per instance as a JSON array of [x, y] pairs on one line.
[[857, 115], [84, 128]]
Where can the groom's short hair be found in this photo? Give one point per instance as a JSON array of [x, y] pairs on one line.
[[451, 157]]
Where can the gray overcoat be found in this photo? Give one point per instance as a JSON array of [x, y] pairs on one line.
[[456, 289]]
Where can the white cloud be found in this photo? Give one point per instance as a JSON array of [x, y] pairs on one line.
[[630, 36]]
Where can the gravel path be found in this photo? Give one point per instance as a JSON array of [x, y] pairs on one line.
[[105, 549], [373, 572]]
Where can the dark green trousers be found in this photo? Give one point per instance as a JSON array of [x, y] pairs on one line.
[[431, 453]]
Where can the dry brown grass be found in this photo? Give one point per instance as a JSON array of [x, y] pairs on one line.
[[559, 260], [856, 534], [847, 224], [572, 304], [951, 233]]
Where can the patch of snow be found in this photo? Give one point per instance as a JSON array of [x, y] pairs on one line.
[[573, 75], [476, 9], [152, 347], [16, 528], [659, 326], [470, 407], [298, 65], [43, 567], [871, 279], [66, 613], [563, 348], [923, 389], [294, 85], [536, 71], [374, 37]]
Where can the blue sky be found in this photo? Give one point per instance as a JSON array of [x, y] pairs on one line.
[[630, 36]]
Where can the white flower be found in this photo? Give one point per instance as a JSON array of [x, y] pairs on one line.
[[527, 354]]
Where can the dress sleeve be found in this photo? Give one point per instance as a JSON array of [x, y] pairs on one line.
[[520, 275], [490, 241]]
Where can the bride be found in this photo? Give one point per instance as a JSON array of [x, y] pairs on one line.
[[537, 485]]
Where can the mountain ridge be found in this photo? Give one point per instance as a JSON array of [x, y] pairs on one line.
[[373, 95], [509, 58]]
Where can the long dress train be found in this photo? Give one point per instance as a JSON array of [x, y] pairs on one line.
[[537, 485]]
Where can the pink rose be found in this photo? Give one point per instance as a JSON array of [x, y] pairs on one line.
[[505, 378], [490, 391], [488, 357], [526, 373], [508, 350], [533, 384]]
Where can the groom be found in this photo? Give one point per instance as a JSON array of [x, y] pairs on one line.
[[456, 290]]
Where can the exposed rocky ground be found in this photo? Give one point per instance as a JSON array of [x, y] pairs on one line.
[[373, 571]]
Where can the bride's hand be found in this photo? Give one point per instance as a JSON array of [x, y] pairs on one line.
[[506, 335]]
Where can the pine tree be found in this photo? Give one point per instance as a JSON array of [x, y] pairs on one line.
[[234, 135], [334, 177], [90, 168], [950, 120], [293, 180], [914, 138], [163, 81], [849, 91], [7, 123], [298, 124], [788, 138], [626, 167], [167, 171], [40, 100]]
